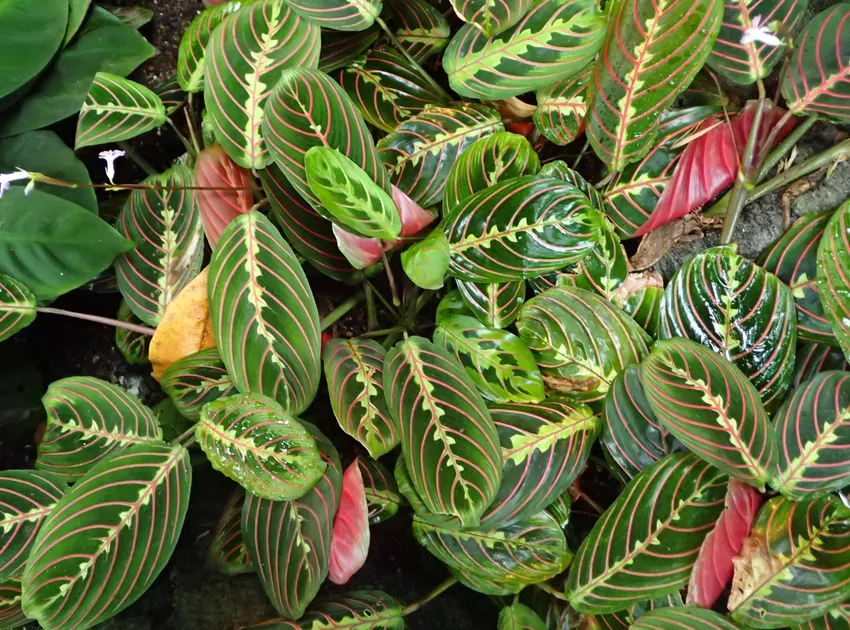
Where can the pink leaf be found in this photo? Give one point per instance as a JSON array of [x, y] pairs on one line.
[[413, 216], [350, 542], [220, 207], [360, 251], [713, 568], [710, 163]]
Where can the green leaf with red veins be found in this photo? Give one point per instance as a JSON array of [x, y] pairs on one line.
[[448, 438], [496, 305], [647, 541], [676, 618], [89, 420], [339, 15], [836, 619], [354, 370], [387, 89], [555, 40], [519, 617], [166, 227], [17, 306], [817, 82], [794, 566], [545, 446], [500, 156], [421, 152], [108, 538], [195, 380], [382, 494], [132, 345], [520, 228], [11, 612], [581, 341], [834, 275], [562, 106], [793, 258], [492, 16], [26, 498], [559, 170], [228, 553], [744, 61], [711, 407], [339, 48], [289, 541], [812, 359], [652, 52], [353, 610], [419, 27], [264, 316], [738, 310], [606, 267], [640, 297], [245, 58]]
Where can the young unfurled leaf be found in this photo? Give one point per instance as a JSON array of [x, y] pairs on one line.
[[382, 493], [214, 169], [228, 552], [833, 278], [17, 306], [350, 542], [349, 196], [562, 106], [427, 262]]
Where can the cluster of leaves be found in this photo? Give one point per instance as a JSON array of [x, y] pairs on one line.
[[720, 401]]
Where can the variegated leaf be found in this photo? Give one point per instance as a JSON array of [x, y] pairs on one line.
[[559, 170], [562, 106], [340, 48], [17, 306], [340, 15], [836, 619], [195, 380], [382, 494], [354, 610], [419, 27], [228, 553], [606, 267], [132, 345], [640, 296], [678, 618], [193, 45], [833, 277], [492, 16], [496, 305], [812, 359], [11, 612]]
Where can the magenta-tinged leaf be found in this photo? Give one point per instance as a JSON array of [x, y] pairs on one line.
[[350, 542], [710, 163], [414, 218], [713, 569], [359, 251], [219, 207]]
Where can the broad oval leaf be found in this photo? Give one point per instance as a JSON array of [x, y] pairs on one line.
[[351, 536], [519, 617], [813, 427], [289, 541], [447, 436], [581, 341], [387, 89], [492, 16], [250, 439], [544, 447], [11, 612], [711, 407], [555, 40], [652, 52], [354, 370], [527, 551], [382, 494], [640, 296], [420, 153], [246, 55], [195, 380], [678, 618], [193, 45], [117, 109], [833, 280], [87, 421], [228, 553], [349, 196], [214, 169], [814, 358], [132, 345], [739, 311], [340, 48], [836, 619], [632, 435], [419, 27], [606, 267], [264, 315], [166, 226], [354, 610], [26, 498], [793, 259], [499, 156], [405, 487], [817, 82], [562, 107], [794, 566], [340, 15], [17, 306], [646, 542], [520, 228], [498, 362], [745, 63], [108, 538], [496, 305], [559, 170], [427, 261]]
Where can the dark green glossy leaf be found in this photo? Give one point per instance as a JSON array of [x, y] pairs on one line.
[[793, 259], [405, 487], [794, 566], [709, 405], [673, 600], [813, 358], [228, 553], [17, 307], [640, 296], [132, 345], [88, 420], [555, 40], [263, 313], [606, 267], [561, 508], [108, 538], [193, 45], [559, 170], [382, 494], [427, 262], [739, 311], [632, 435], [492, 16], [833, 279], [544, 448], [354, 370], [447, 436], [419, 27], [496, 305], [581, 341], [340, 48], [562, 107], [420, 153], [836, 619], [692, 618], [519, 617], [647, 541], [499, 363], [11, 612], [485, 586], [340, 15], [520, 228], [195, 380], [354, 610]]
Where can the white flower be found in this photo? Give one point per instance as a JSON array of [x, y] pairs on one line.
[[6, 180], [759, 33], [110, 157]]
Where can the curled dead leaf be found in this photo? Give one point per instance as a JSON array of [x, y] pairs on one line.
[[568, 384], [514, 108], [634, 283], [185, 327], [753, 566], [657, 243]]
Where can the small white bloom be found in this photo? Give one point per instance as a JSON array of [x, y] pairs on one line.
[[759, 33], [110, 157], [6, 180]]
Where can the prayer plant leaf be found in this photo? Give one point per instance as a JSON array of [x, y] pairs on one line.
[[496, 305], [132, 345], [196, 38], [382, 494], [562, 107], [419, 27], [833, 278], [678, 618], [814, 358], [228, 553], [339, 15], [17, 307], [219, 206], [519, 617], [340, 48], [353, 610], [492, 16], [11, 612]]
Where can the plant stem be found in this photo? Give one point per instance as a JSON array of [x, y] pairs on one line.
[[391, 278], [413, 61], [446, 585], [141, 162], [144, 330], [423, 300], [785, 146], [384, 301], [548, 588], [371, 310], [189, 148], [340, 311], [188, 432], [190, 123]]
